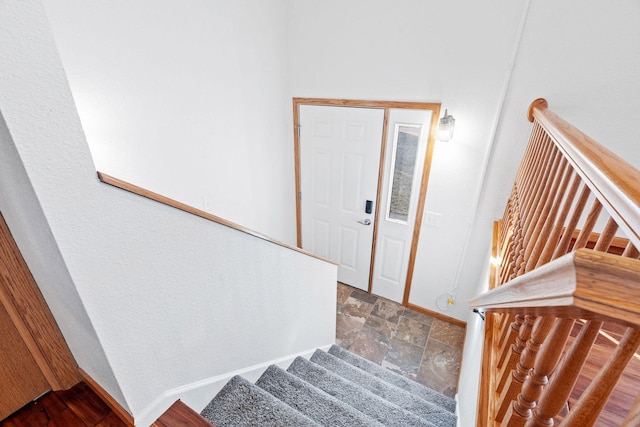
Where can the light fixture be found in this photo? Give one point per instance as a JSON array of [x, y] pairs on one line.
[[445, 127]]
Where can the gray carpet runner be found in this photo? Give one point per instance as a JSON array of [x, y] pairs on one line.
[[337, 388]]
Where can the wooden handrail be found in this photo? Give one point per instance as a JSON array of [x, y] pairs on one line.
[[609, 176], [566, 249], [107, 179], [582, 284]]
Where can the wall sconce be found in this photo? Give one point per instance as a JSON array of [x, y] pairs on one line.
[[445, 127]]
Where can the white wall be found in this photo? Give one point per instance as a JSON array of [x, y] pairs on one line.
[[167, 302], [416, 50], [186, 99]]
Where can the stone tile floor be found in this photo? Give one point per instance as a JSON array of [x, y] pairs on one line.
[[418, 346]]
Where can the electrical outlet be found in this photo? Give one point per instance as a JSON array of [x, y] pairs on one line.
[[433, 219]]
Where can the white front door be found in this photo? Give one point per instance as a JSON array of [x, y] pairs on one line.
[[339, 166], [407, 137]]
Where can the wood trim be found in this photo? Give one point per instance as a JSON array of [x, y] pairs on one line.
[[583, 284], [122, 413], [491, 328], [376, 222], [426, 172], [610, 178], [386, 105], [296, 159], [107, 179], [437, 315], [180, 414], [21, 297], [367, 104], [486, 379]]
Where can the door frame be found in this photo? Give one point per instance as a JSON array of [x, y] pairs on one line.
[[30, 314], [434, 107]]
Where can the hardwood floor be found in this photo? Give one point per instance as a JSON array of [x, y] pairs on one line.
[[627, 388], [78, 406], [180, 414]]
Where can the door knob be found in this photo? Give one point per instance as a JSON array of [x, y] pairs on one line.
[[365, 221]]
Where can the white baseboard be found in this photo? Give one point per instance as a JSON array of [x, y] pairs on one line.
[[198, 394]]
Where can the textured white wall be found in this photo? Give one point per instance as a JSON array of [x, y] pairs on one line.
[[170, 299], [416, 50], [186, 99]]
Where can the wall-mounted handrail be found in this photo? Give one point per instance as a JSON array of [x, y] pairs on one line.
[[107, 179]]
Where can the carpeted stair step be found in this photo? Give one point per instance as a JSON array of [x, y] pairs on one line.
[[321, 407], [242, 404], [394, 394], [404, 383], [346, 391]]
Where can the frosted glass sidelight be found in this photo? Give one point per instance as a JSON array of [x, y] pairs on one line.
[[405, 148]]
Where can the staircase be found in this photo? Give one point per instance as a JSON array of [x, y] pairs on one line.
[[334, 388]]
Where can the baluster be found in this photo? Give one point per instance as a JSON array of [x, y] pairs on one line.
[[507, 319], [530, 183], [506, 262], [514, 352], [605, 239], [535, 151], [586, 411], [509, 257], [529, 178], [564, 379], [534, 201], [531, 152], [506, 219], [563, 246], [587, 228], [556, 234], [510, 339], [514, 382], [542, 214], [548, 215], [508, 252], [547, 359], [518, 251], [630, 251]]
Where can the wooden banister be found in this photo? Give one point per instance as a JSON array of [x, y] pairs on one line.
[[566, 249], [611, 178], [584, 284]]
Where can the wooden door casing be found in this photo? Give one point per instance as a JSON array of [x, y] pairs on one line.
[[29, 325]]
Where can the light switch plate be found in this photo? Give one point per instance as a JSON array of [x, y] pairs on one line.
[[433, 219]]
